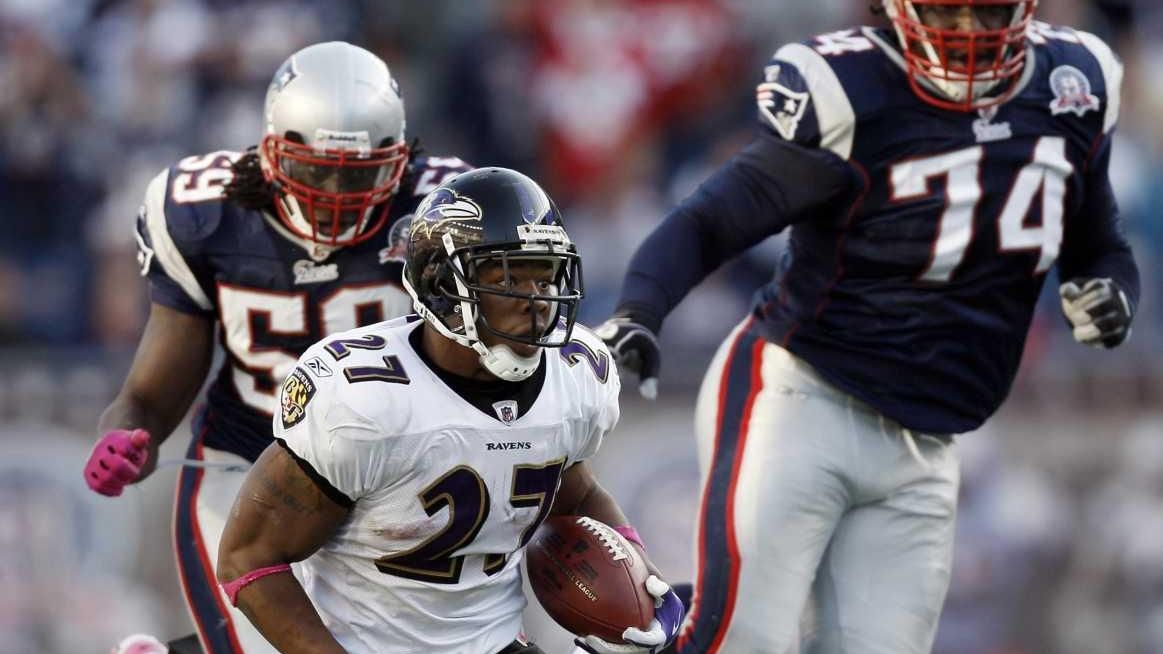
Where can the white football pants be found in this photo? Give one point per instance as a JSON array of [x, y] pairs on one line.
[[808, 491]]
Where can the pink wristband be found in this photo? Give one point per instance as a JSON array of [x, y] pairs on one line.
[[232, 587], [630, 534]]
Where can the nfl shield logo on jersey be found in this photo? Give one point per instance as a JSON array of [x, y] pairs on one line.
[[297, 392], [1071, 92], [506, 411]]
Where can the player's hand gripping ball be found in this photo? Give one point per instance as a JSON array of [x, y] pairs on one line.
[[588, 578]]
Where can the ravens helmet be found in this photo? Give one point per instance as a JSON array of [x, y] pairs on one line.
[[490, 217]]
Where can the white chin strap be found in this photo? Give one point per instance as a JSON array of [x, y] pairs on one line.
[[506, 364]]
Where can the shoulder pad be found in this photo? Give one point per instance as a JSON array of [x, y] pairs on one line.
[[360, 370], [429, 172], [167, 234], [802, 100], [586, 348], [1088, 54]]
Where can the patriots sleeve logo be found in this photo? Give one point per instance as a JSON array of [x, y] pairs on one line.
[[781, 107]]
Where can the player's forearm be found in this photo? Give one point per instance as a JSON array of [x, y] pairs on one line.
[[129, 412], [768, 186], [600, 505], [278, 607]]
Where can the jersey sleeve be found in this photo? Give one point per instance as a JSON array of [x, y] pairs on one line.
[[796, 169], [771, 184], [430, 172], [1094, 243], [801, 100], [344, 452], [606, 408], [173, 281], [1112, 76]]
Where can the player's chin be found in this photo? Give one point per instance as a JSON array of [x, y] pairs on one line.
[[521, 349]]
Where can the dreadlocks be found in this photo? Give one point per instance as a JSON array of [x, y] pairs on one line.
[[249, 188]]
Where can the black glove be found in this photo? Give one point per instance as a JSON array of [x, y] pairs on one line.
[[1097, 310], [635, 347]]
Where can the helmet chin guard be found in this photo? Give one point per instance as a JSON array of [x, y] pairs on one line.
[[506, 364]]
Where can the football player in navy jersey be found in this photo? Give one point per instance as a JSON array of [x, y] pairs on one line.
[[931, 176], [277, 246]]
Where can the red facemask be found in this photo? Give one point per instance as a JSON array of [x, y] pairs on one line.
[[959, 52], [335, 190]]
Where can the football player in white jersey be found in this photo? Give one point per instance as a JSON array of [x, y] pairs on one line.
[[415, 458]]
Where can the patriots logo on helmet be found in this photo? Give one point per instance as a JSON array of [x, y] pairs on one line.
[[285, 74]]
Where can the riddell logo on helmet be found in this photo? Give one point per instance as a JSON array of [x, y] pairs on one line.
[[326, 139]]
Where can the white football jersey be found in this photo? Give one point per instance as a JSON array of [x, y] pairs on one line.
[[444, 495]]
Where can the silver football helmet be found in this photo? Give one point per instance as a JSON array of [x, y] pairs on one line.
[[333, 144]]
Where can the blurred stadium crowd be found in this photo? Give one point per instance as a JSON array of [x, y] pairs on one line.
[[620, 107]]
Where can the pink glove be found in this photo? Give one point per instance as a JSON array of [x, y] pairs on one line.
[[116, 460], [139, 643]]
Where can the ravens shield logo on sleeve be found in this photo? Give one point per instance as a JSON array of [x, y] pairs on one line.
[[297, 391]]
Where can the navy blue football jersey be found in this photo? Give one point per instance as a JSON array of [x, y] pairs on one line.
[[272, 293], [912, 274]]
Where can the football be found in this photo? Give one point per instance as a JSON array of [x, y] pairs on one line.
[[588, 578]]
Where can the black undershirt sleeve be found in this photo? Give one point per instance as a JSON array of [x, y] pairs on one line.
[[1093, 243], [767, 186], [330, 491]]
